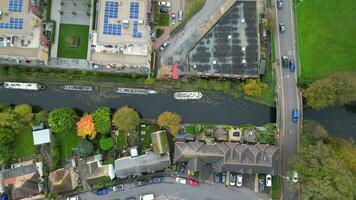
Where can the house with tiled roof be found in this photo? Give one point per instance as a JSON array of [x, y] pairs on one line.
[[63, 180], [228, 156]]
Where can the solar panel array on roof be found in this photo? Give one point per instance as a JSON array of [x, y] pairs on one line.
[[135, 32], [15, 23], [111, 11], [134, 7], [15, 5]]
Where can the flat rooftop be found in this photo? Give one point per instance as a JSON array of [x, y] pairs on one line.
[[230, 48], [122, 22]]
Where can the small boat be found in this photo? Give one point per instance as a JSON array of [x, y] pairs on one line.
[[23, 86], [80, 88], [134, 91], [187, 95]]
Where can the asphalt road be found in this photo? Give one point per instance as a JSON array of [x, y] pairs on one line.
[[173, 190], [288, 94]]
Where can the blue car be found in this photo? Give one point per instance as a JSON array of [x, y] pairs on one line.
[[295, 115], [292, 66], [102, 191]]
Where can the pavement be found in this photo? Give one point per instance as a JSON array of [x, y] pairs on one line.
[[288, 94], [174, 190]]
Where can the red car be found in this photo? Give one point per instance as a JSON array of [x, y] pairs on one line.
[[192, 182]]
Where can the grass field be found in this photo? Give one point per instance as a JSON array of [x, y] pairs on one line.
[[23, 144], [163, 19], [191, 7], [326, 37], [72, 30], [67, 142]]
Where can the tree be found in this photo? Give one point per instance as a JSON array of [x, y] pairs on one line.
[[55, 153], [102, 120], [106, 143], [255, 88], [62, 120], [6, 140], [86, 127], [126, 119], [85, 148], [170, 121], [329, 91], [41, 117], [24, 112]]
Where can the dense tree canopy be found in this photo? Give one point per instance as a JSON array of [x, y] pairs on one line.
[[62, 120], [170, 121], [126, 119], [86, 127], [106, 143], [6, 140], [102, 120], [326, 165], [255, 88], [85, 148], [24, 112]]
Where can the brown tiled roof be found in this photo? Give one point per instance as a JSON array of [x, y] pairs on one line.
[[62, 180]]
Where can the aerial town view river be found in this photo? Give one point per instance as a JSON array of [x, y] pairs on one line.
[[212, 108]]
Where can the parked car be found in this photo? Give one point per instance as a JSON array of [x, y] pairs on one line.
[[217, 177], [232, 179], [282, 27], [141, 183], [164, 3], [130, 198], [284, 61], [71, 198], [295, 177], [239, 180], [157, 179], [118, 188], [164, 45], [192, 182], [182, 167], [147, 197], [279, 4], [181, 180], [102, 191], [291, 65], [223, 177], [173, 18], [295, 115], [268, 180], [180, 15], [261, 184]]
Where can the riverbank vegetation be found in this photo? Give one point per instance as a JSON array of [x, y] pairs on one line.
[[105, 79], [326, 165]]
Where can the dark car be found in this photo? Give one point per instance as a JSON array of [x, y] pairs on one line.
[[130, 198], [282, 27], [295, 115], [279, 4], [118, 188], [223, 177], [285, 61], [141, 183], [157, 179], [291, 65], [164, 45], [261, 184], [217, 177], [102, 191], [182, 167]]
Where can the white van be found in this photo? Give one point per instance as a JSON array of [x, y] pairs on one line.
[[147, 197], [180, 15]]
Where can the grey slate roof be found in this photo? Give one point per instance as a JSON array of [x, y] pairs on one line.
[[135, 166], [228, 156]]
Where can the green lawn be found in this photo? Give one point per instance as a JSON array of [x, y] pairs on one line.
[[146, 138], [67, 141], [71, 30], [191, 7], [326, 37], [121, 141], [23, 144], [163, 19], [276, 188]]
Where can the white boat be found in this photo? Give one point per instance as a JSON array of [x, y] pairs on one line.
[[23, 86], [134, 91], [187, 95], [80, 88]]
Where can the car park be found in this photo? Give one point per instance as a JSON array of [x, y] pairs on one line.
[[279, 4], [268, 180], [239, 180], [291, 65], [217, 177], [157, 179], [232, 179], [164, 45], [295, 176], [118, 188], [295, 115], [102, 191], [173, 19], [282, 27], [165, 3], [181, 180], [192, 182], [284, 61], [223, 177]]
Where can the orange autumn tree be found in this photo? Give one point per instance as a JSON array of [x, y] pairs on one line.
[[86, 127]]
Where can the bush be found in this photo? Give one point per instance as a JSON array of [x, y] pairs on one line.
[[106, 143], [102, 120], [3, 71], [85, 148], [14, 71]]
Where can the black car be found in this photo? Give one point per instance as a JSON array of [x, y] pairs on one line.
[[130, 198], [285, 62], [279, 4], [217, 177], [157, 179], [141, 183]]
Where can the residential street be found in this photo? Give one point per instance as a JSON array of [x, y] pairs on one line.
[[174, 190], [287, 93]]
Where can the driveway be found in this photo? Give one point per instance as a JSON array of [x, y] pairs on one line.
[[174, 190]]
